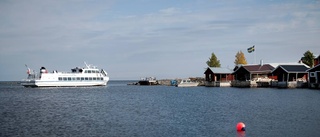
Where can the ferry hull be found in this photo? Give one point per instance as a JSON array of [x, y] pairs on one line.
[[35, 83]]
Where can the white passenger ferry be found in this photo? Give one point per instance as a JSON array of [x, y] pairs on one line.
[[86, 76]]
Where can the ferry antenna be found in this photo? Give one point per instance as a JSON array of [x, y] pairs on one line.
[[86, 64]]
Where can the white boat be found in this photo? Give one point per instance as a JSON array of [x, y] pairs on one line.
[[86, 76], [148, 81], [187, 83]]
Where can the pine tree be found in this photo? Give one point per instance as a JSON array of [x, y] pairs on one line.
[[213, 61], [308, 58], [240, 58]]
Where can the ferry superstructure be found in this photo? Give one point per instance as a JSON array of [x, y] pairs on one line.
[[78, 77]]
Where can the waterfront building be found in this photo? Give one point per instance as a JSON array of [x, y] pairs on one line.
[[290, 76], [218, 77], [252, 75], [314, 77]]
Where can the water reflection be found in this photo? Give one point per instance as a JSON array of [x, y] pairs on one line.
[[241, 133]]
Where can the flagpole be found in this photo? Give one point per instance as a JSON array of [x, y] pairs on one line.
[[255, 56]]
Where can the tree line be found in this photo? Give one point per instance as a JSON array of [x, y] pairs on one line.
[[308, 59]]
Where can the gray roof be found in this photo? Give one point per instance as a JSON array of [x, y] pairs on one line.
[[293, 68], [275, 65], [220, 70], [313, 69]]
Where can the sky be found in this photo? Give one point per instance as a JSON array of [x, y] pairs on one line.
[[161, 38]]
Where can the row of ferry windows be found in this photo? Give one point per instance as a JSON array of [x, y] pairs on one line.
[[79, 78], [91, 71]]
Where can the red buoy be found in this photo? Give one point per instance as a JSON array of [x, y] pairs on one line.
[[241, 126]]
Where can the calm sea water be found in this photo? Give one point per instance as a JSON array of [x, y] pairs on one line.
[[151, 111]]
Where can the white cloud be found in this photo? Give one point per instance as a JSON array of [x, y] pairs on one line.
[[169, 11]]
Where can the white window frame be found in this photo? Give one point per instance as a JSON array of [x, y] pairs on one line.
[[312, 74]]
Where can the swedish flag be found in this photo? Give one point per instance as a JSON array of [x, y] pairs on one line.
[[251, 49]]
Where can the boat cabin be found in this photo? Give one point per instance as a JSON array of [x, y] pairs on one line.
[[77, 70]]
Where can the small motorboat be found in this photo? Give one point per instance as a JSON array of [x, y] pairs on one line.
[[187, 83]]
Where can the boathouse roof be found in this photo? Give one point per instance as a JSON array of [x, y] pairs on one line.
[[315, 68], [275, 65], [292, 68], [265, 68], [218, 70]]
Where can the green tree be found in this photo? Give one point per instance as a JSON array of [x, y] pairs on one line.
[[213, 61], [240, 58], [308, 58]]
